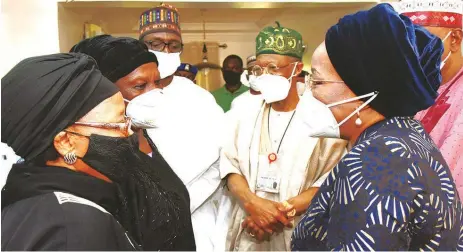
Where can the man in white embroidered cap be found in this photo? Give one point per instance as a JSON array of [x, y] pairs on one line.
[[190, 117], [444, 120]]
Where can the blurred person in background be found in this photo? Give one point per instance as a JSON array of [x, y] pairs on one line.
[[188, 71], [246, 79], [232, 68], [444, 120]]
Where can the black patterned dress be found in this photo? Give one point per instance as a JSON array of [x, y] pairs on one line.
[[392, 191]]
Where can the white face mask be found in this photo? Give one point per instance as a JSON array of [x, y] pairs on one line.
[[168, 63], [319, 119], [273, 87], [301, 87], [246, 79], [442, 64], [146, 109], [252, 83]]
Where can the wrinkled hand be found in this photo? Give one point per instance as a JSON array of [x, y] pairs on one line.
[[252, 229], [269, 216], [302, 202]]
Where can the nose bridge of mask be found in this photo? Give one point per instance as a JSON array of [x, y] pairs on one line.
[[138, 100], [373, 96]]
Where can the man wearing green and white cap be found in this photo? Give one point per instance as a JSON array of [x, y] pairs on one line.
[[272, 168]]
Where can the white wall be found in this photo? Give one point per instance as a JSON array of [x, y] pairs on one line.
[[28, 28]]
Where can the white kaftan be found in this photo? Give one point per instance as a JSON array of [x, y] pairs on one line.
[[189, 140], [303, 161]]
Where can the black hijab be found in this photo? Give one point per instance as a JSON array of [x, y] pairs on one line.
[[116, 57], [43, 95], [46, 94]]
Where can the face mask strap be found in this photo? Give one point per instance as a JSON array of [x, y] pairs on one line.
[[373, 96], [292, 73], [442, 64], [446, 58], [447, 36], [352, 99]]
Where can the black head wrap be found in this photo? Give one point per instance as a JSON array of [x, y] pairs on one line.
[[43, 95], [380, 50], [116, 57]]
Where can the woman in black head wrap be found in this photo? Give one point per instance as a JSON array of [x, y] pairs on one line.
[[84, 184], [128, 63], [393, 191]]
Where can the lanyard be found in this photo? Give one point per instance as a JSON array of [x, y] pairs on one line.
[[284, 133]]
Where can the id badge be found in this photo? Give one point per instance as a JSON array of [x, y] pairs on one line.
[[268, 176]]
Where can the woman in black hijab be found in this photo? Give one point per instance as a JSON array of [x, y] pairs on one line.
[[84, 184], [128, 63]]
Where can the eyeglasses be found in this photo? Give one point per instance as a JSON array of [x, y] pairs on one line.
[[315, 82], [269, 69], [122, 126], [159, 45]]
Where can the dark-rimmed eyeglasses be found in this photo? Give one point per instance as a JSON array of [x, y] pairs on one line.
[[159, 45]]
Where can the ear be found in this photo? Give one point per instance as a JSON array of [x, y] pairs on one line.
[[63, 143], [455, 40], [299, 68]]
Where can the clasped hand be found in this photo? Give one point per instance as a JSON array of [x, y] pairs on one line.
[[266, 217]]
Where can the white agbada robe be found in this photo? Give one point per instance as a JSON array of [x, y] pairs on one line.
[[245, 100], [304, 163], [189, 141]]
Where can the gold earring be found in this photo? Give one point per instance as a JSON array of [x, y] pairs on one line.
[[70, 158]]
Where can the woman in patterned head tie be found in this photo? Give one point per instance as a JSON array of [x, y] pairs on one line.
[[393, 190]]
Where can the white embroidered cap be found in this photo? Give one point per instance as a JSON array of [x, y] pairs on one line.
[[439, 13]]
